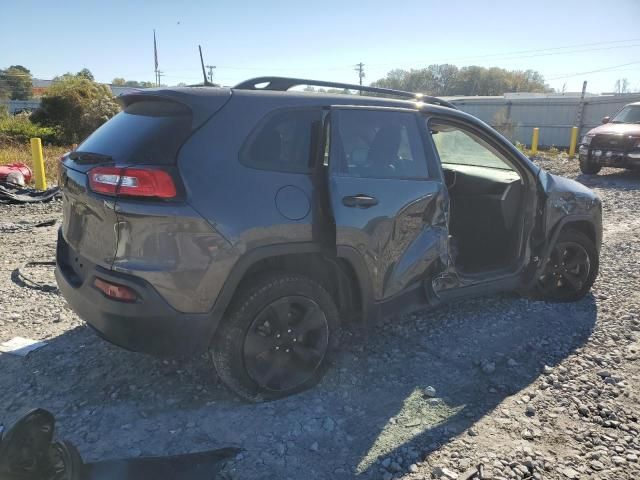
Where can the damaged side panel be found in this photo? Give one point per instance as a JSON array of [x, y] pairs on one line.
[[400, 238], [567, 201], [425, 252], [174, 249]]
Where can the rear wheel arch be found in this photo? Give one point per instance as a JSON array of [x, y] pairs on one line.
[[343, 275], [334, 274]]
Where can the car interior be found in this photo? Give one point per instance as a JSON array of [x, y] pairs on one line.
[[485, 197]]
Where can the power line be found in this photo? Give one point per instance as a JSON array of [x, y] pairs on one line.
[[554, 48], [497, 58], [613, 67]]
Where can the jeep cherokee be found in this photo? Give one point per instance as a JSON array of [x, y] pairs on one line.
[[252, 221]]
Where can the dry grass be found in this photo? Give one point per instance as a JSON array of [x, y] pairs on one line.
[[22, 153]]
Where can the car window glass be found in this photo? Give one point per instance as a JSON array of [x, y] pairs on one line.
[[456, 146], [283, 142], [629, 114], [149, 131], [378, 144]]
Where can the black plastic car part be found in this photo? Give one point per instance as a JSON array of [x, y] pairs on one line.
[[28, 451], [283, 84]]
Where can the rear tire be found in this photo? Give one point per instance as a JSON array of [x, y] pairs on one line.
[[278, 338], [588, 167], [571, 269]]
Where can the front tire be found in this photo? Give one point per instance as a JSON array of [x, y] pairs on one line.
[[571, 269], [589, 168], [278, 338]]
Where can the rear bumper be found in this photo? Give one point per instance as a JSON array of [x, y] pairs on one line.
[[149, 325]]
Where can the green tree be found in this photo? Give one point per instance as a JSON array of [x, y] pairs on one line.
[[76, 106], [17, 82], [85, 73], [121, 82], [137, 84], [446, 79], [4, 88]]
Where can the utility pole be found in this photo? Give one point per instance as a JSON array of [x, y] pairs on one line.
[[360, 69], [211, 67], [580, 112], [155, 58], [160, 74]]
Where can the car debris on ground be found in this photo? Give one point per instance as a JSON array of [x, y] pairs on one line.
[[15, 193], [30, 451]]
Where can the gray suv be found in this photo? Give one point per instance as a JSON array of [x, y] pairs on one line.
[[252, 222]]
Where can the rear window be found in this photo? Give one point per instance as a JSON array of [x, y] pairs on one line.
[[284, 141], [146, 132]]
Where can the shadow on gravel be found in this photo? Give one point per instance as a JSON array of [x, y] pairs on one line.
[[612, 179], [372, 405], [473, 365]]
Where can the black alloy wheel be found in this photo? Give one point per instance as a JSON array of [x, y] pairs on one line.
[[570, 270], [278, 338], [286, 343]]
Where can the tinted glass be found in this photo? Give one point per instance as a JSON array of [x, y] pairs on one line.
[[378, 144], [147, 132], [459, 147], [629, 114], [284, 141]]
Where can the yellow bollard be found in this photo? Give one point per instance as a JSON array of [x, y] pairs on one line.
[[534, 141], [38, 164], [574, 141]]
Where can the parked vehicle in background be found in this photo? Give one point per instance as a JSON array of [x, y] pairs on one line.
[[616, 143], [254, 221]]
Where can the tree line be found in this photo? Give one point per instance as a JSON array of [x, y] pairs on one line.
[[448, 80]]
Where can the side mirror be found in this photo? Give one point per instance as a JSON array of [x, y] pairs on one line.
[[606, 119]]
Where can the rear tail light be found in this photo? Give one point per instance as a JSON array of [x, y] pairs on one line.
[[115, 290], [132, 182]]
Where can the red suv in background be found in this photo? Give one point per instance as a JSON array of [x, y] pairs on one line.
[[614, 144]]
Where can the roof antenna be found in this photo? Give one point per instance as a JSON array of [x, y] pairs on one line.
[[204, 74]]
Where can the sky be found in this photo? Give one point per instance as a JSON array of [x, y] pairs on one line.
[[567, 41]]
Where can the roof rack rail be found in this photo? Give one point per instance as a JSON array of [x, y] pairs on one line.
[[282, 84]]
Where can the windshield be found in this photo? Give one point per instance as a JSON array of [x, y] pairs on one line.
[[629, 114]]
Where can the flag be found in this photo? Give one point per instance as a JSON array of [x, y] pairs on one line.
[[155, 50]]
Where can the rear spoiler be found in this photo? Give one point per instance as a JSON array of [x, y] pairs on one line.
[[203, 103]]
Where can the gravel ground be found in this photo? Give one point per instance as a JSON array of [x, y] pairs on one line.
[[528, 389]]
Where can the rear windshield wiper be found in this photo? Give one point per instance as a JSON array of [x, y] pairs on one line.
[[89, 157]]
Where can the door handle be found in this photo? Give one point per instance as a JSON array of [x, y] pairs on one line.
[[360, 200]]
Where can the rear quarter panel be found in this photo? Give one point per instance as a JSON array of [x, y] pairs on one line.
[[173, 248]]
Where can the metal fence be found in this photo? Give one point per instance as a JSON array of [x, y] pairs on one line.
[[15, 106], [516, 117]]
